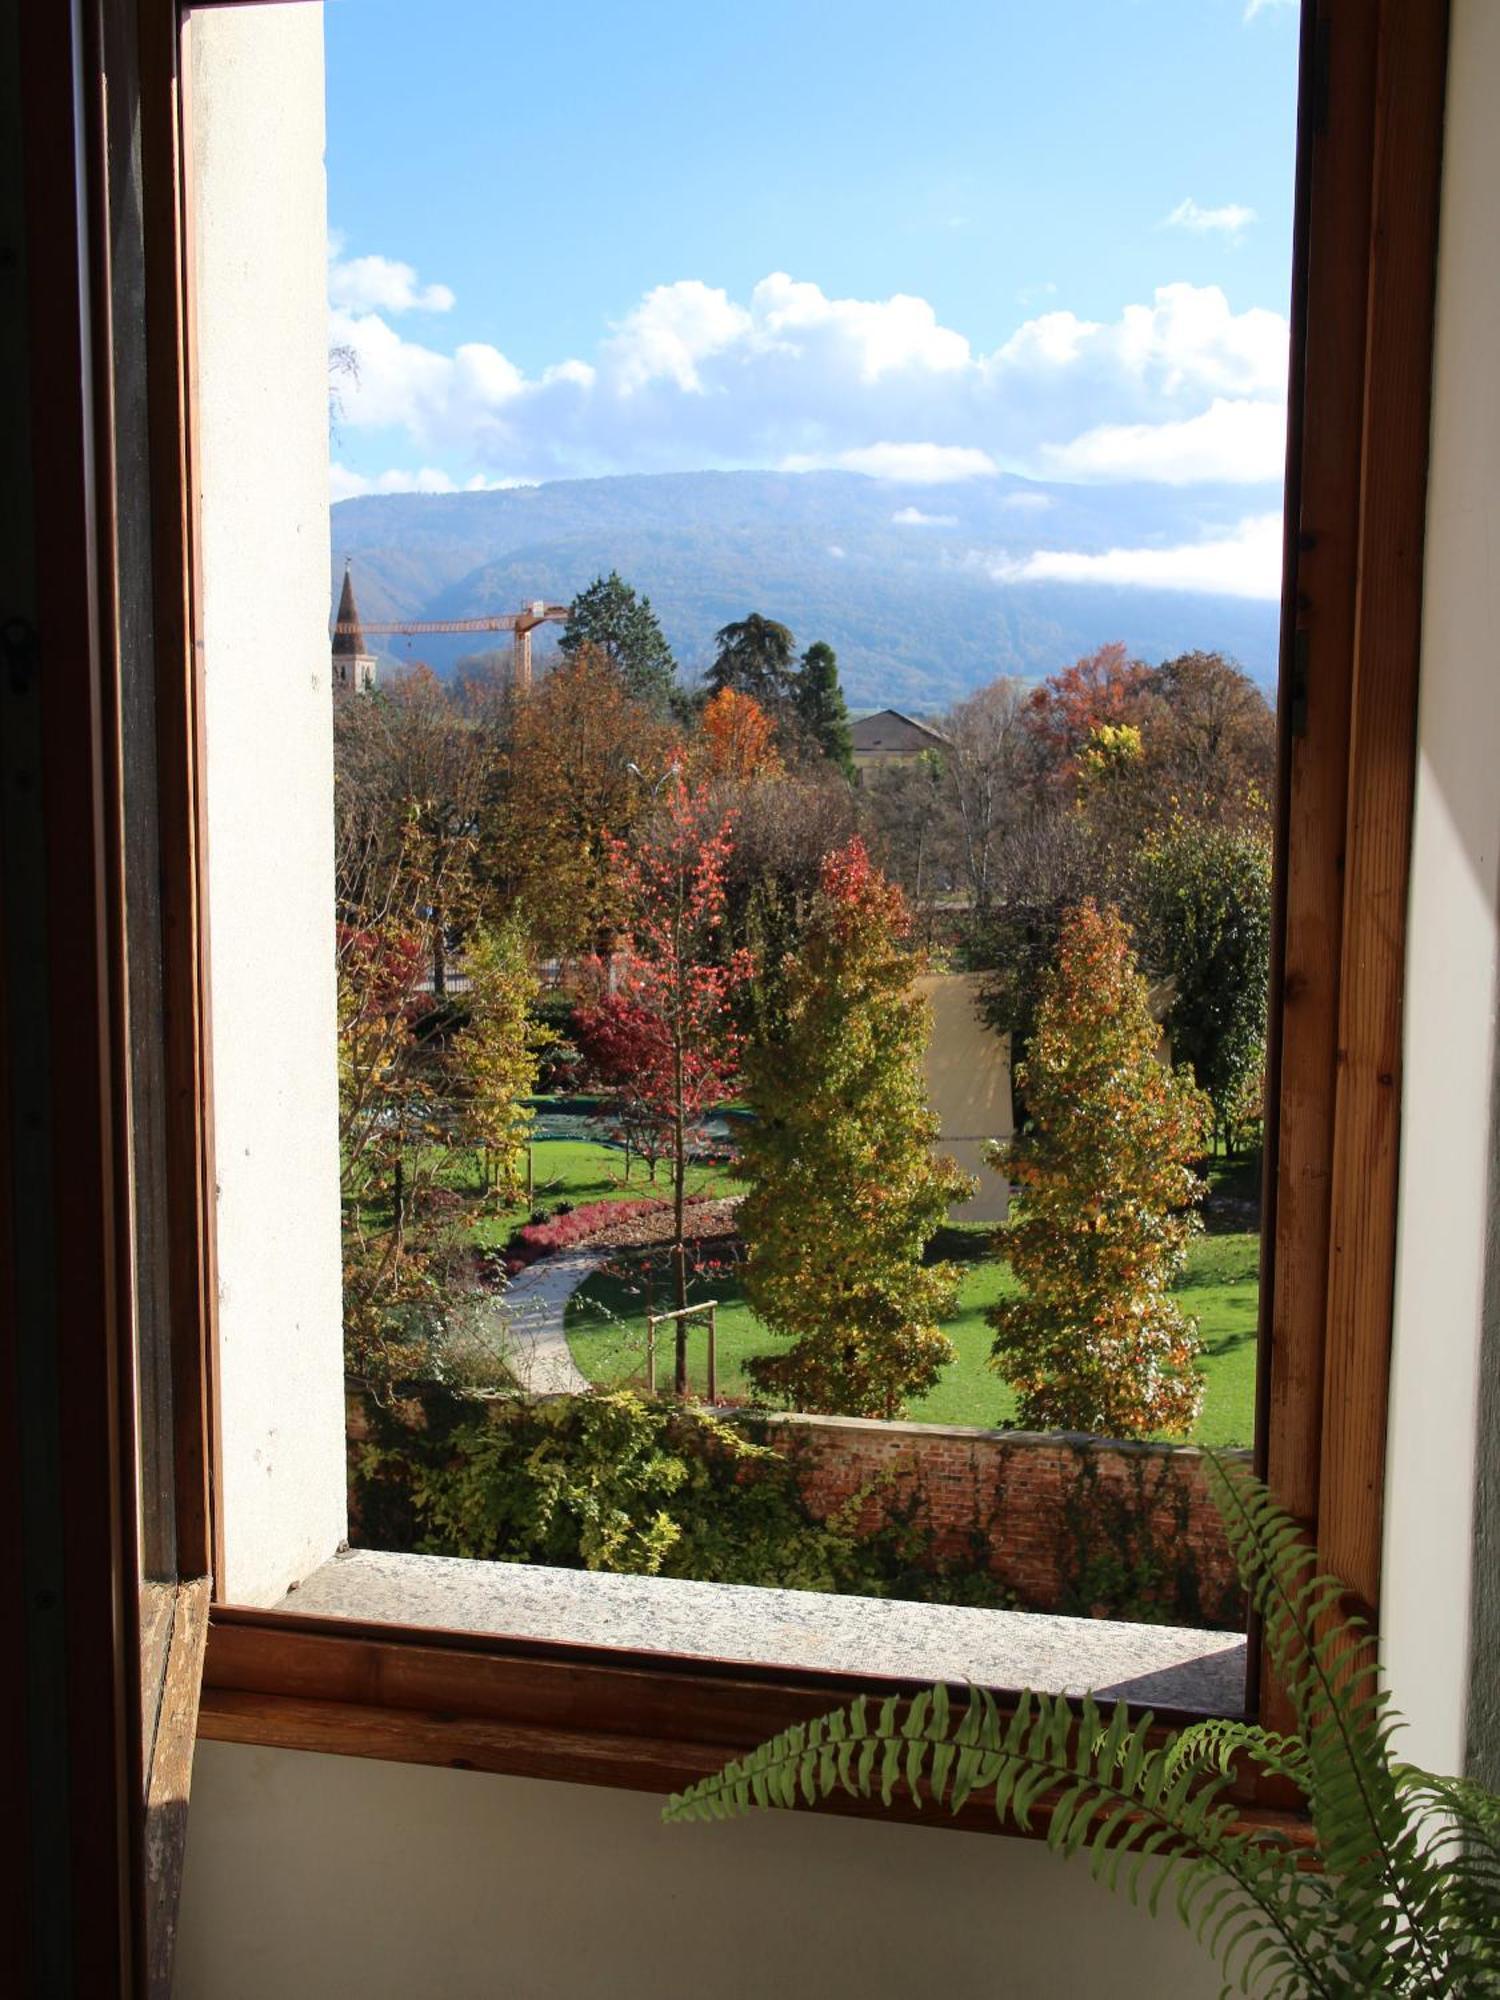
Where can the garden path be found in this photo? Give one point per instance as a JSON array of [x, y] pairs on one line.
[[530, 1319]]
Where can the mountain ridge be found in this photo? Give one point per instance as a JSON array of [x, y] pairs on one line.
[[907, 582]]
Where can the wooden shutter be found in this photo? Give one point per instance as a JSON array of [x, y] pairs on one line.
[[106, 1311]]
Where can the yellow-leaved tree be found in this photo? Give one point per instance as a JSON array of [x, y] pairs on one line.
[[845, 1192], [496, 1055], [1105, 1187]]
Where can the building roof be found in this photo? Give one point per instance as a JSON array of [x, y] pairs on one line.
[[889, 730], [348, 645]]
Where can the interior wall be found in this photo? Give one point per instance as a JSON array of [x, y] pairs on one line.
[[262, 427], [1447, 1167], [341, 1877]]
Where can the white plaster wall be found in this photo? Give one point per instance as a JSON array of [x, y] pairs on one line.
[[257, 91], [354, 1880], [968, 1086], [1451, 984]]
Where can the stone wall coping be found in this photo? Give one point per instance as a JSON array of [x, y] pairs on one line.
[[812, 1420], [1069, 1440]]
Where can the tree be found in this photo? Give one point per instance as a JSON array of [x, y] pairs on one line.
[[737, 739], [755, 658], [615, 1037], [609, 618], [1046, 867], [1206, 923], [568, 791], [1104, 1185], [1212, 740], [987, 767], [677, 977], [496, 1055], [1104, 686], [845, 1193], [784, 826], [384, 1085], [819, 703], [410, 778], [909, 813]]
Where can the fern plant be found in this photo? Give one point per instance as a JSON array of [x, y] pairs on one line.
[[1399, 1894]]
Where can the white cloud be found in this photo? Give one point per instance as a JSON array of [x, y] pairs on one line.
[[1028, 503], [1232, 220], [672, 329], [345, 484], [910, 464], [1236, 440], [1254, 7], [691, 378], [1245, 563], [380, 284], [913, 517]]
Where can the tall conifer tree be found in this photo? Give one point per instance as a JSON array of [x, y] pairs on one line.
[[1104, 1187], [819, 702], [845, 1193], [608, 618]]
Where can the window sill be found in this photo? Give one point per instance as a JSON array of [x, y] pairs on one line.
[[644, 1683], [1156, 1666]]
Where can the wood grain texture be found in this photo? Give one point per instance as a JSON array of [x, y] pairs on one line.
[[167, 1786], [585, 1715], [180, 801], [76, 1328], [1409, 95], [1320, 587]]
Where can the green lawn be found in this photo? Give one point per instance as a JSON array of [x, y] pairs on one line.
[[572, 1170], [606, 1320], [606, 1331]]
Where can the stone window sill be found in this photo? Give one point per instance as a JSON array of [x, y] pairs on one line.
[[1155, 1666]]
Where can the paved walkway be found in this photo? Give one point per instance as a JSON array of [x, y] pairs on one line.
[[529, 1321]]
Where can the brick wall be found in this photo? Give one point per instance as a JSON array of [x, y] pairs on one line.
[[1065, 1523], [1069, 1524]]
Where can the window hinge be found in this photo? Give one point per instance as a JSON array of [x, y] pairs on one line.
[[1298, 689]]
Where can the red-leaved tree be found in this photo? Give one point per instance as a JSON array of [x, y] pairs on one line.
[[613, 1037], [1104, 688], [678, 981]]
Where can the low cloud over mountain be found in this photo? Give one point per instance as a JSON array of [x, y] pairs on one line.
[[927, 588]]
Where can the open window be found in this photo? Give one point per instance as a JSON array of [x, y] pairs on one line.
[[180, 1432]]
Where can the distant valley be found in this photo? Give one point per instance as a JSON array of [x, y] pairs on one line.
[[907, 582]]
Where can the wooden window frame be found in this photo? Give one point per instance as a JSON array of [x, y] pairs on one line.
[[1370, 120]]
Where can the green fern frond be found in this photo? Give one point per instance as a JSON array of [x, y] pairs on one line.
[[1151, 1826], [1407, 1899], [1367, 1837], [1222, 1742]]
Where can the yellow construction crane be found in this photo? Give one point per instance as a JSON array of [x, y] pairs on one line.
[[520, 624]]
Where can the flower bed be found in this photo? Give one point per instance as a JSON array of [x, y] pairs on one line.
[[616, 1224]]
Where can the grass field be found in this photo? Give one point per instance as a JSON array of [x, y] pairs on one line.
[[606, 1332], [606, 1320], [573, 1170], [1220, 1288]]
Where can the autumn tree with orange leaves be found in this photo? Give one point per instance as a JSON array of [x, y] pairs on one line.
[[1104, 688], [737, 739], [1105, 1187]]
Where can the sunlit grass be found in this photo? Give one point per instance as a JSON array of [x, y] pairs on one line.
[[607, 1333]]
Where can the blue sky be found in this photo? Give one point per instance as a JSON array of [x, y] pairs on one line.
[[933, 242]]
